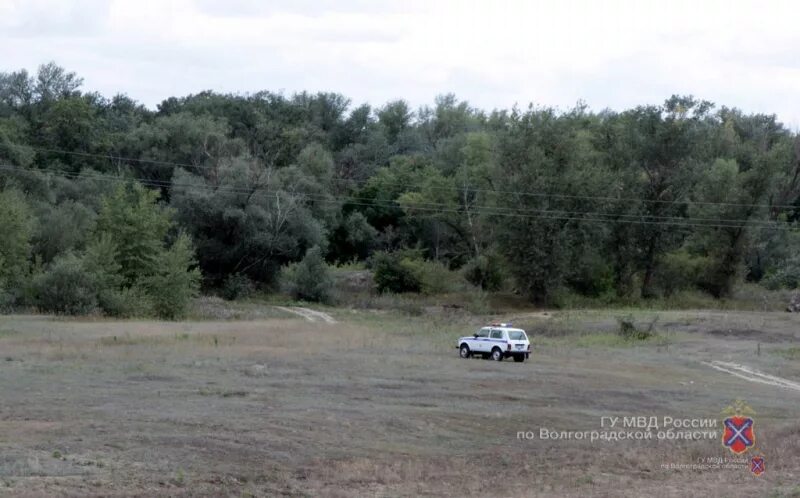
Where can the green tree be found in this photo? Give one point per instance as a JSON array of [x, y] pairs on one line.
[[732, 194], [68, 226], [550, 173], [175, 282], [309, 279], [666, 147], [137, 225], [353, 239], [395, 117], [200, 141], [16, 225], [249, 218]]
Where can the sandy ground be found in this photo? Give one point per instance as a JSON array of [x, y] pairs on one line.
[[381, 405], [308, 314]]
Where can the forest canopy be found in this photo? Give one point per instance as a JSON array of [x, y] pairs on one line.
[[107, 204]]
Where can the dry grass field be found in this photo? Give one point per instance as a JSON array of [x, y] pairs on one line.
[[379, 404]]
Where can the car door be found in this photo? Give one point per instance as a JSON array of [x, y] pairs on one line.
[[481, 342], [496, 339], [518, 340]]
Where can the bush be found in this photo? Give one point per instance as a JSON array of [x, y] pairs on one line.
[[786, 276], [100, 262], [66, 287], [591, 276], [176, 281], [127, 302], [629, 332], [485, 271], [395, 272], [310, 279], [680, 271], [433, 277], [237, 286], [407, 271]]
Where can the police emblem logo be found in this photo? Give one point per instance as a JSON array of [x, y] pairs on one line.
[[757, 465], [738, 433]]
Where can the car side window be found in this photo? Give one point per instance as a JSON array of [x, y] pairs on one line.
[[497, 334], [483, 333]]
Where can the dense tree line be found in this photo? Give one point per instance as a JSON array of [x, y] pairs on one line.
[[141, 206]]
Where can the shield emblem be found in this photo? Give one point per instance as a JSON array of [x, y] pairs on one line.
[[739, 434], [757, 465]]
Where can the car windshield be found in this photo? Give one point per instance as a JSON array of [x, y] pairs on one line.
[[517, 335]]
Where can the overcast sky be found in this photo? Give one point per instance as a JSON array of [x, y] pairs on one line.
[[494, 54]]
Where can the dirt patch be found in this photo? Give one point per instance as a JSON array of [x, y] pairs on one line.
[[751, 334], [308, 314]]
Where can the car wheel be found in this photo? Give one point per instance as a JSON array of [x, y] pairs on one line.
[[519, 358], [464, 352], [497, 355]]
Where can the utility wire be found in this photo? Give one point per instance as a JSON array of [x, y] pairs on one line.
[[588, 216], [351, 199], [457, 189]]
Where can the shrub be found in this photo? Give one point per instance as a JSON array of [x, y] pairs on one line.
[[176, 281], [395, 272], [680, 271], [629, 332], [237, 286], [100, 262], [485, 271], [433, 277], [66, 287], [310, 279], [407, 271], [591, 276], [787, 275], [127, 302]]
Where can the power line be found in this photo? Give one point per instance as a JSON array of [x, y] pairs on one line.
[[496, 210], [588, 216], [456, 189], [491, 210]]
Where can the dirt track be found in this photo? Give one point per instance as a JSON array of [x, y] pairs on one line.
[[752, 375], [308, 314]]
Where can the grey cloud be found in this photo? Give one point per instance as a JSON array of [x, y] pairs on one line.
[[35, 19]]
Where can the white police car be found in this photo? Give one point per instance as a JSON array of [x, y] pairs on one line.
[[497, 341]]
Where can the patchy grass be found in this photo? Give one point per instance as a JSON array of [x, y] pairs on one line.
[[216, 308], [792, 353], [614, 340], [4, 332], [154, 340], [600, 340], [222, 393], [378, 404]]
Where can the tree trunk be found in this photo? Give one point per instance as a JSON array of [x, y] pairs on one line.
[[649, 269]]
